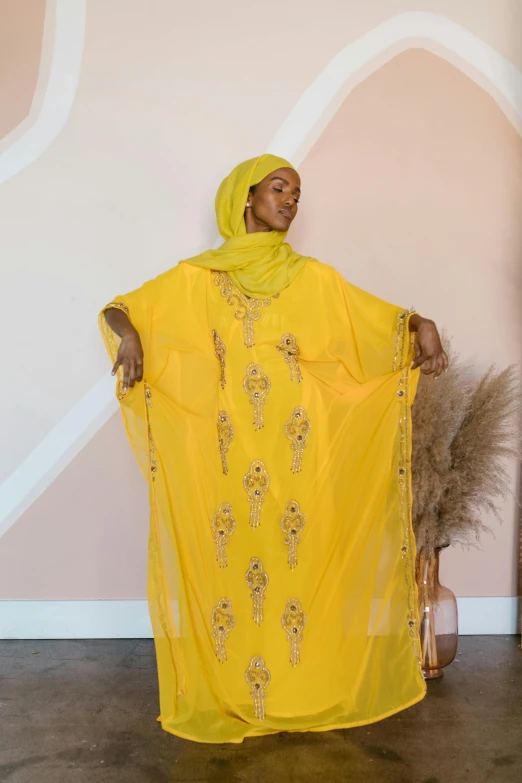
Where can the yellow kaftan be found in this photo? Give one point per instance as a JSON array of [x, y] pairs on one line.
[[275, 436]]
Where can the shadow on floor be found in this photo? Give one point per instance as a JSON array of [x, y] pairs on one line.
[[86, 711]]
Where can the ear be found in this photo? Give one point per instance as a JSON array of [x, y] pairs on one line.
[[251, 193]]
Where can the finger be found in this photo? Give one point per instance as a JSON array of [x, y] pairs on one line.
[[132, 374], [115, 368], [420, 358], [439, 366], [139, 370], [434, 364], [446, 360], [126, 371], [426, 369], [429, 366]]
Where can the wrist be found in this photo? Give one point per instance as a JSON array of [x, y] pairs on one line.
[[130, 333], [416, 321]]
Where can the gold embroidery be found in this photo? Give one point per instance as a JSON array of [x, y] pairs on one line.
[[225, 438], [404, 479], [258, 679], [289, 350], [257, 385], [153, 463], [256, 483], [293, 622], [117, 306], [223, 622], [247, 310], [153, 460], [113, 341], [221, 352], [257, 580], [400, 342], [297, 429], [292, 522], [223, 525]]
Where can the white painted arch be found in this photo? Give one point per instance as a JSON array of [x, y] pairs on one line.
[[62, 45], [438, 34], [297, 134]]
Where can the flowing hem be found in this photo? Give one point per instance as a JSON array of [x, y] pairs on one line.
[[260, 732]]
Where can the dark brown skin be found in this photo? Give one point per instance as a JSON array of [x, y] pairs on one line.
[[130, 352], [272, 206], [429, 355]]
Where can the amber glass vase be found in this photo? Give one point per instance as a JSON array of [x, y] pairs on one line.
[[437, 615]]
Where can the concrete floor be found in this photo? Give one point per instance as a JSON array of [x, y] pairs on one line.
[[86, 711]]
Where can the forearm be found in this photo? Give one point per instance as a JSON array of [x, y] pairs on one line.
[[416, 320], [119, 322]]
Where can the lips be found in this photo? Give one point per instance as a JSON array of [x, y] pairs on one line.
[[287, 213]]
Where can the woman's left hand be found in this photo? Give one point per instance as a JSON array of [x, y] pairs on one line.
[[429, 354]]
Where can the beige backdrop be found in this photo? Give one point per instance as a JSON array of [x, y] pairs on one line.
[[412, 187]]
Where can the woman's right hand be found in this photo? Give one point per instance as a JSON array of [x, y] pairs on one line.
[[130, 357]]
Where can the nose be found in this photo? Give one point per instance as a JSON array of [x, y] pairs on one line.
[[288, 200]]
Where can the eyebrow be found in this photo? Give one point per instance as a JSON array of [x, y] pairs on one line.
[[286, 182]]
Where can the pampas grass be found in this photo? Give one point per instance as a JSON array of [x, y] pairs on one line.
[[464, 431]]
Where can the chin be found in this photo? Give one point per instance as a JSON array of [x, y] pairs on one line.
[[283, 224]]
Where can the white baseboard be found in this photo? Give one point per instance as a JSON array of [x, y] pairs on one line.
[[130, 619], [74, 620], [488, 615]]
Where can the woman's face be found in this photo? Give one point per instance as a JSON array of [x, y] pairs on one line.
[[272, 204]]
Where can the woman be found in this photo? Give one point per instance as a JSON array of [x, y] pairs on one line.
[[268, 403]]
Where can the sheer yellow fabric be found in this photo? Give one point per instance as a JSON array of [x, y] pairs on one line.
[[260, 264], [293, 609]]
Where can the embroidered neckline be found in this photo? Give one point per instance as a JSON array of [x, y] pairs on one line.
[[247, 310]]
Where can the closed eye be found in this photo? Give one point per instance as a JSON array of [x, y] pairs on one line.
[[279, 190]]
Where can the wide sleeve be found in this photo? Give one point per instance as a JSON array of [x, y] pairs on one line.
[[373, 337], [139, 306], [164, 313], [145, 308]]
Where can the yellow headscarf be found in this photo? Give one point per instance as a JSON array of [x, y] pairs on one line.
[[260, 264]]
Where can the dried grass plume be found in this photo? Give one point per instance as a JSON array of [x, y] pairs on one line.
[[464, 431]]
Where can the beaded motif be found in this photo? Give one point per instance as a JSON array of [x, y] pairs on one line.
[[220, 350], [257, 580], [289, 350], [223, 623], [247, 310], [297, 429], [225, 438], [256, 483], [404, 479], [257, 385], [153, 463], [292, 523], [223, 525], [293, 622], [258, 679]]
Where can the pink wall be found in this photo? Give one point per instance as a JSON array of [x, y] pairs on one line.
[[413, 191], [21, 31]]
